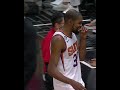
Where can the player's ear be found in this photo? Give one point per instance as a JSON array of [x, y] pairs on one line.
[[70, 21]]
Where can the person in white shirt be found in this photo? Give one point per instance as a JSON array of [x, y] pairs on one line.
[[66, 53]]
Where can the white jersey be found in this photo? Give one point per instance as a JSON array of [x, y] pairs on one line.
[[69, 63]]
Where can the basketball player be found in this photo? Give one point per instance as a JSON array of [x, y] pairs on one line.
[[64, 65]]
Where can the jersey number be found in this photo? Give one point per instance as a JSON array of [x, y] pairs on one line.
[[75, 60]]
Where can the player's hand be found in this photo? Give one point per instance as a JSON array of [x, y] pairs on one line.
[[83, 32], [77, 85]]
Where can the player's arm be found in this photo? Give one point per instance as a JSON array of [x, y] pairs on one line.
[[57, 46], [82, 45]]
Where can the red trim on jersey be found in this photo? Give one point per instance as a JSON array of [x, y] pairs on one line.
[[62, 61]]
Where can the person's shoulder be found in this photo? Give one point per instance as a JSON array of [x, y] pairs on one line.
[[57, 38], [58, 42]]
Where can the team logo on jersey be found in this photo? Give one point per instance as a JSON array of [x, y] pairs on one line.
[[72, 48]]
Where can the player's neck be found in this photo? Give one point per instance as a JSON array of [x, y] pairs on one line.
[[67, 31]]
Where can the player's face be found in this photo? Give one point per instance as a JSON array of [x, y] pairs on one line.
[[77, 25]]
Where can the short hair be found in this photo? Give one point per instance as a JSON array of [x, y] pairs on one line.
[[57, 17], [72, 14]]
